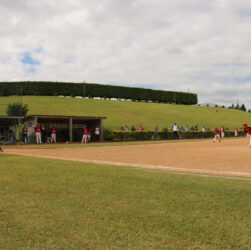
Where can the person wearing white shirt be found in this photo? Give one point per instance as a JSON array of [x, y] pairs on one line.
[[175, 131]]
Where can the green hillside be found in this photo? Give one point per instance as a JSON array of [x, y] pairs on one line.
[[132, 113]]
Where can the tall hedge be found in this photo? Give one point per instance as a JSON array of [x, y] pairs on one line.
[[95, 90]]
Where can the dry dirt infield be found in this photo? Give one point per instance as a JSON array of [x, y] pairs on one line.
[[231, 157]]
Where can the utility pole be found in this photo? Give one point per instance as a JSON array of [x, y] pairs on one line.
[[84, 89], [21, 102]]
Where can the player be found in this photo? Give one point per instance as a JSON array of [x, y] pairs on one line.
[[216, 135], [38, 133], [53, 135], [85, 133], [248, 132], [222, 131], [25, 134]]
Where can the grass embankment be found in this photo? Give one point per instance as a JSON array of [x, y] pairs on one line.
[[120, 113], [49, 204]]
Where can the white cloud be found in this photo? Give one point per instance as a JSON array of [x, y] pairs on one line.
[[203, 46]]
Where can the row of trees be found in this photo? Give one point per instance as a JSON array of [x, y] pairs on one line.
[[95, 90], [240, 107]]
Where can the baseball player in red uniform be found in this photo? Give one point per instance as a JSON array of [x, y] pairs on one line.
[[85, 134], [247, 131], [38, 133], [222, 131], [53, 135], [216, 135]]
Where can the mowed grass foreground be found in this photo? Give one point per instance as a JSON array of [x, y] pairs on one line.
[[120, 113], [49, 204]]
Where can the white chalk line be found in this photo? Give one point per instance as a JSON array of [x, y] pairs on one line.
[[199, 172]]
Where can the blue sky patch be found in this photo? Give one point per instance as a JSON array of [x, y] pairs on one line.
[[30, 64], [28, 60]]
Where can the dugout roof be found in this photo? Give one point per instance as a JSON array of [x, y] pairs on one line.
[[65, 117], [7, 121]]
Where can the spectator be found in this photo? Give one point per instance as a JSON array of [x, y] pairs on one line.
[[175, 131], [141, 128], [133, 128], [155, 132], [236, 132], [126, 128], [97, 133]]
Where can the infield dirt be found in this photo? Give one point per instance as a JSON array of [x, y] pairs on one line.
[[231, 157]]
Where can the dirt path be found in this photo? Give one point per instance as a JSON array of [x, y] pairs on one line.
[[230, 157]]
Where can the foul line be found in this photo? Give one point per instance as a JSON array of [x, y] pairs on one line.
[[190, 171]]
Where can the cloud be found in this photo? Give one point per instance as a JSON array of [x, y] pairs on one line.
[[200, 46]]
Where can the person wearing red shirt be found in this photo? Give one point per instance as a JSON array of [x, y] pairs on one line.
[[216, 135], [248, 132], [85, 134], [222, 132], [53, 135], [25, 134], [38, 133]]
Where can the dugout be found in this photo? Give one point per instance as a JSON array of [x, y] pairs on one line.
[[69, 128], [6, 122], [9, 129]]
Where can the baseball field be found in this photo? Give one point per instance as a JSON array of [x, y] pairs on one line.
[[231, 157], [167, 195]]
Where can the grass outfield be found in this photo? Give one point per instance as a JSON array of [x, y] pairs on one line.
[[49, 204], [132, 113]]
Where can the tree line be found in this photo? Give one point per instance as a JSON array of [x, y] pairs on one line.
[[92, 90]]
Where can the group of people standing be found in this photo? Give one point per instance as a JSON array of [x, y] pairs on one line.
[[38, 134], [132, 129], [86, 134], [219, 133]]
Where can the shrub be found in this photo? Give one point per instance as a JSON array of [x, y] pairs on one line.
[[118, 135], [17, 109]]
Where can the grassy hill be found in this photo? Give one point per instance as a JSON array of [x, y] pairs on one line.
[[132, 113]]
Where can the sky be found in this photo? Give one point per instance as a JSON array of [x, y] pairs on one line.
[[185, 45]]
